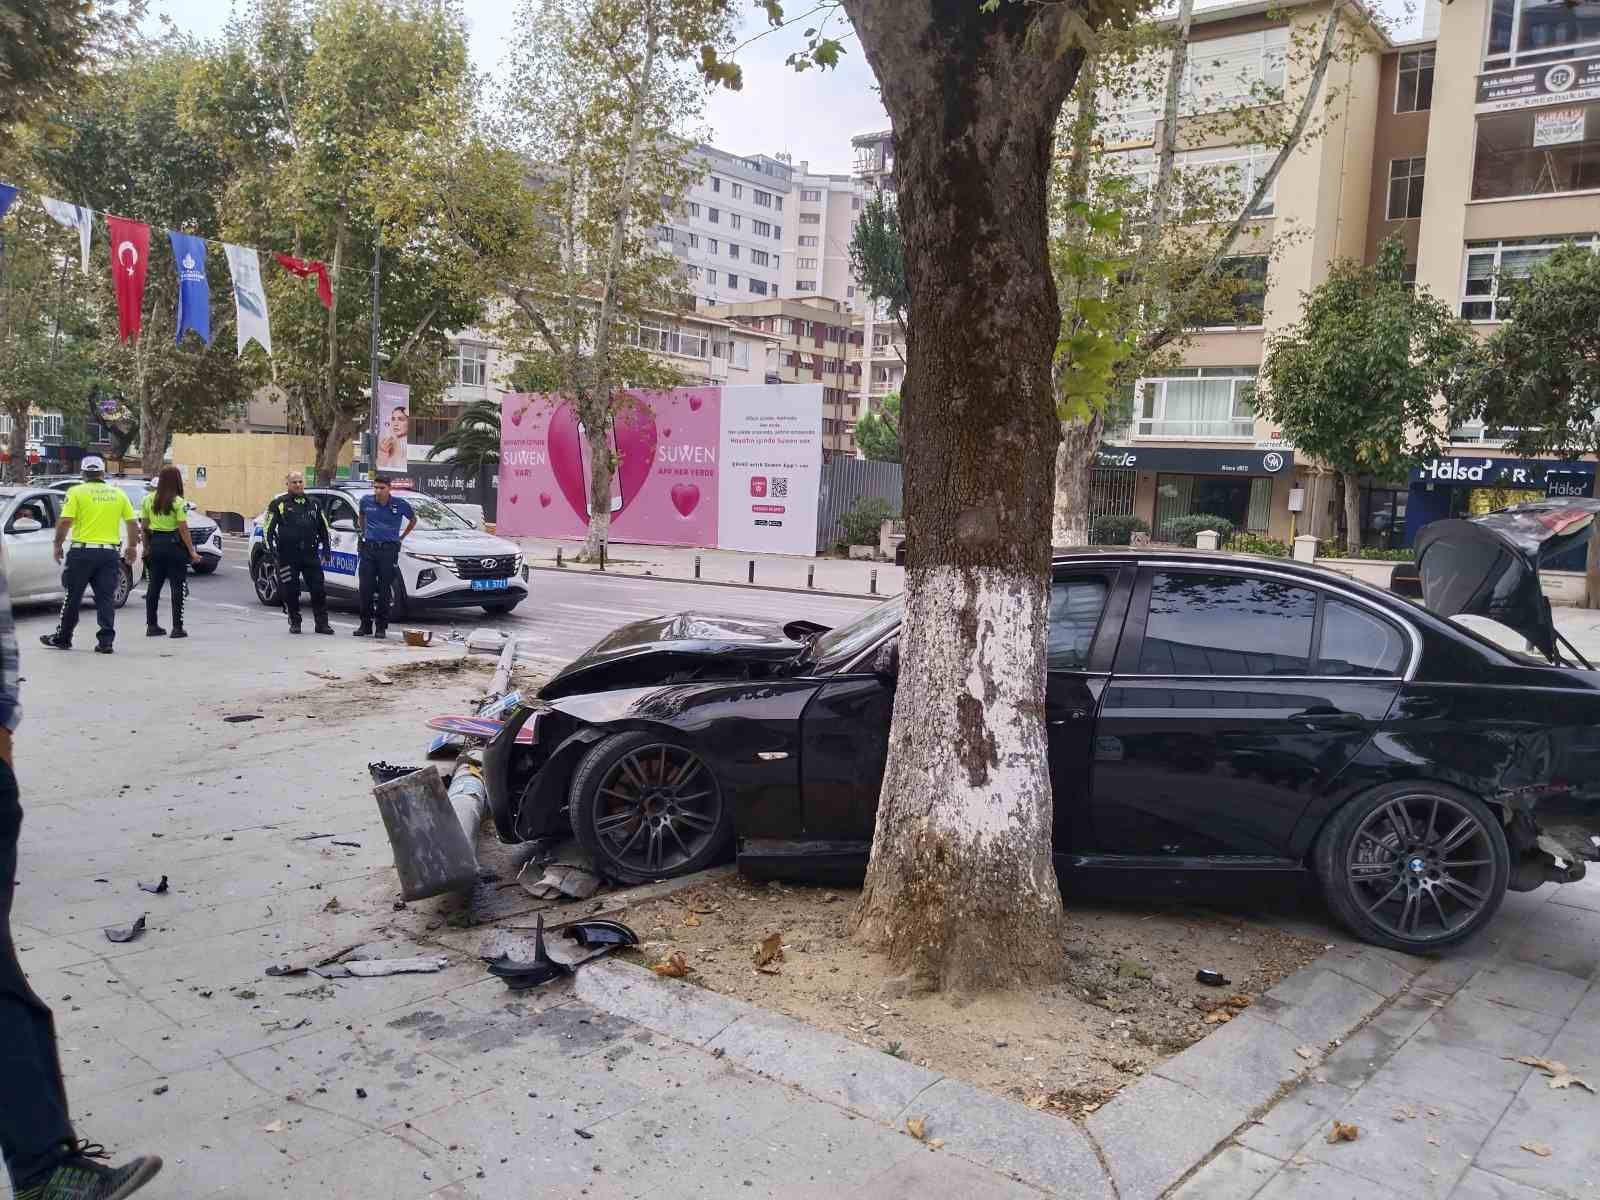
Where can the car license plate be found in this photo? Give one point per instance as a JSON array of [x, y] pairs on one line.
[[490, 585]]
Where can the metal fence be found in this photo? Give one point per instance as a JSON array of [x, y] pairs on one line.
[[845, 483]]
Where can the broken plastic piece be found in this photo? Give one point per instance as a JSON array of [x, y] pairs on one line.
[[520, 976], [240, 718], [1211, 978], [128, 934], [386, 772], [155, 889], [600, 932], [446, 745]]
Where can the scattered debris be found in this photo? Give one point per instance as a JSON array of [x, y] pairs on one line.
[[690, 920], [1220, 1016], [937, 1143], [127, 934], [1562, 1082], [540, 970], [674, 966], [1560, 1075], [379, 678], [244, 994], [241, 718], [387, 772], [1128, 969], [556, 880], [599, 932], [286, 970], [1343, 1133], [1211, 978], [332, 906], [361, 1093], [328, 675], [1309, 1053], [917, 1127], [313, 837], [377, 968], [272, 1127], [584, 1134], [159, 1090], [768, 950], [352, 845], [1542, 1149], [1404, 1113], [155, 889]]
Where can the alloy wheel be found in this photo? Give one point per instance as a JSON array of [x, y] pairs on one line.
[[1421, 867], [265, 577], [656, 808]]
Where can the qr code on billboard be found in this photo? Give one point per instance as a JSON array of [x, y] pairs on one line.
[[780, 487]]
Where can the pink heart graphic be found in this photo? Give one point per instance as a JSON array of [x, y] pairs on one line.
[[667, 432], [634, 435], [516, 416], [635, 429], [513, 497], [544, 499], [566, 460], [685, 498], [694, 403]]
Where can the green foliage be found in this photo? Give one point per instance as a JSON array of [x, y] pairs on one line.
[[863, 523], [474, 440], [1539, 375], [1254, 543], [877, 255], [1117, 529], [1095, 338], [1354, 382], [43, 46], [878, 431], [1182, 531]]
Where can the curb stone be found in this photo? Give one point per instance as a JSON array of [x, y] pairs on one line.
[[1141, 1144], [749, 587]]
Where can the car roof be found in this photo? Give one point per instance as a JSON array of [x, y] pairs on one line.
[[1310, 572]]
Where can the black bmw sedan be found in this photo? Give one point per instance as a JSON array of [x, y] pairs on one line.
[[1212, 718]]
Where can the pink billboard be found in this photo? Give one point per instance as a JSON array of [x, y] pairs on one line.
[[699, 466]]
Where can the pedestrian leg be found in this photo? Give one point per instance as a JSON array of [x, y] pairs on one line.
[[156, 564], [388, 564], [368, 576], [311, 565], [289, 581], [107, 567], [75, 579], [34, 1127], [177, 570]]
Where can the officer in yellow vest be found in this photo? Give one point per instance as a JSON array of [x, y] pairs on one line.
[[95, 516]]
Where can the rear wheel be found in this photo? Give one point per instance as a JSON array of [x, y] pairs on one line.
[[1414, 866], [124, 585], [648, 807], [264, 574]]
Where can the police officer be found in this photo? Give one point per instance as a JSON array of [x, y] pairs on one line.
[[96, 514], [379, 522], [296, 534]]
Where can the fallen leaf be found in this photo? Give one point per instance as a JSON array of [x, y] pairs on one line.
[[769, 969], [1433, 1141], [1306, 1052], [1548, 1065], [332, 906], [1539, 1148], [1219, 1017], [273, 1127], [1343, 1133], [917, 1127], [1562, 1082], [937, 1143], [1405, 1113], [1238, 1001], [674, 967], [770, 949], [691, 920]]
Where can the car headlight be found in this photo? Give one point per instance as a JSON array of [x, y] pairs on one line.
[[443, 560]]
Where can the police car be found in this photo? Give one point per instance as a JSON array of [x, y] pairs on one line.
[[203, 531], [445, 563]]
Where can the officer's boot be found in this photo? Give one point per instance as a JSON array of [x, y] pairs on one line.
[[321, 618], [364, 629], [381, 632]]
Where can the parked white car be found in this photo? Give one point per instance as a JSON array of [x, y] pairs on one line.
[[203, 531], [28, 516], [445, 563]]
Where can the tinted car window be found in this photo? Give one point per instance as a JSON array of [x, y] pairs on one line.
[[1203, 624], [1355, 642], [1075, 607], [837, 647]]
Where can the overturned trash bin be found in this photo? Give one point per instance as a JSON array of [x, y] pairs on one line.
[[433, 854]]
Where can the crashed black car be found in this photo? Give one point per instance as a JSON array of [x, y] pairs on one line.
[[1212, 719]]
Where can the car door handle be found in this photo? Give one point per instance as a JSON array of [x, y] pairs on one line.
[[1077, 714], [1323, 718]]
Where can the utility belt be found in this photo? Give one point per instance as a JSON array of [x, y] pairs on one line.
[[112, 547], [165, 535], [380, 544]]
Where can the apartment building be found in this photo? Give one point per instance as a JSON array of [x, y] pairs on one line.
[[815, 342], [817, 262], [729, 231], [880, 347], [1472, 143]]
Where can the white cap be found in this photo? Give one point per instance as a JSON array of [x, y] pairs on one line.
[[93, 462]]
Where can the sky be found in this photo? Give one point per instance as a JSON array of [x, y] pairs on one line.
[[811, 115]]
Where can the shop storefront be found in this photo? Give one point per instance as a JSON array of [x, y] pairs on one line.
[[1469, 486], [1250, 487]]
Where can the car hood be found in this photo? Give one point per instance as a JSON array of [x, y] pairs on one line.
[[1488, 566], [683, 646], [463, 543]]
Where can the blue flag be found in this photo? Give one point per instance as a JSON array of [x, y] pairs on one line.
[[194, 293], [7, 195]]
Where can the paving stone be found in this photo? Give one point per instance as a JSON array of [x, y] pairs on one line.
[[95, 1064], [1522, 985], [1566, 1121], [1010, 1138], [831, 1153], [1562, 938], [1439, 1074], [823, 1065], [939, 1173], [1367, 1048], [1317, 1005], [1295, 1119], [1400, 1153], [1481, 1185], [1494, 1029], [1385, 972], [1244, 1064], [681, 1010], [1319, 1181], [1584, 894], [401, 1166], [1235, 1174], [1153, 1132]]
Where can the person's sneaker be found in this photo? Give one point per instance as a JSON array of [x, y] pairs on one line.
[[363, 630], [381, 632], [81, 1178], [54, 642], [178, 631], [103, 649], [324, 627], [154, 631]]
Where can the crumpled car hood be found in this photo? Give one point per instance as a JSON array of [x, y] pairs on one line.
[[691, 644], [1488, 566]]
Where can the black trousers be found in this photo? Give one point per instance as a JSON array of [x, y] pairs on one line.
[[380, 565], [34, 1128], [168, 564], [88, 567], [294, 564]]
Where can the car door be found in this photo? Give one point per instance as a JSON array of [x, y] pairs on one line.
[[844, 745], [340, 567], [32, 574], [1237, 696]]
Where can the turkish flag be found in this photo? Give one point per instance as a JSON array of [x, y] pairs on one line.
[[130, 257], [305, 269]]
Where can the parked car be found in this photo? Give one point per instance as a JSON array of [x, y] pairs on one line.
[[1213, 719], [445, 563], [28, 516], [203, 531]]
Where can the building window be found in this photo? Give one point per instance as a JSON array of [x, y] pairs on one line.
[[758, 286], [1405, 188], [759, 258], [810, 218], [777, 231], [777, 203], [1229, 71], [810, 196], [1484, 296], [1537, 152], [665, 340], [692, 272], [1246, 276], [808, 241], [716, 184], [1533, 31], [805, 264], [850, 292], [714, 215], [733, 249], [855, 203], [738, 190], [694, 241], [713, 246], [1240, 167], [711, 277], [805, 285], [694, 208], [761, 228], [1207, 402], [734, 220], [733, 281], [762, 199], [46, 427], [1413, 88], [469, 364]]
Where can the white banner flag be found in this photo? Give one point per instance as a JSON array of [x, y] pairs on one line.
[[73, 216], [249, 297]]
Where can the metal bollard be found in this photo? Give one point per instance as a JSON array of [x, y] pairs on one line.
[[752, 575], [872, 584], [602, 556], [559, 563], [811, 574], [697, 566]]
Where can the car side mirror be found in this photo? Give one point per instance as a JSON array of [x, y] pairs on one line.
[[886, 662], [343, 525], [25, 525]]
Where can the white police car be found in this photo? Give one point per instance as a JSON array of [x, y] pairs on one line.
[[203, 531], [445, 563]]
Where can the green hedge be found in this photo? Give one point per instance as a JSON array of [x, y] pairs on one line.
[[1117, 529], [1182, 530], [864, 523]]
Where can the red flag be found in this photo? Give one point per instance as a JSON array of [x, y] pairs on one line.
[[130, 256], [306, 268]]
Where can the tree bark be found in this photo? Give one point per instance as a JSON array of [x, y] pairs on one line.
[[1352, 512], [1591, 569], [20, 410], [960, 891], [1080, 442], [1167, 159], [330, 439]]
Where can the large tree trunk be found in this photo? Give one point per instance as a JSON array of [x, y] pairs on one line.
[[960, 891], [1591, 569], [330, 440], [1080, 441], [20, 410], [601, 470], [1352, 512]]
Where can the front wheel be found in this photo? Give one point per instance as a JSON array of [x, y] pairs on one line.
[[1414, 866], [264, 574], [124, 585], [648, 808], [206, 566]]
